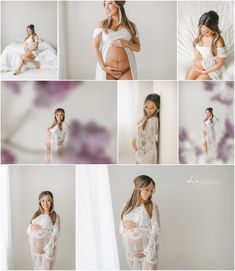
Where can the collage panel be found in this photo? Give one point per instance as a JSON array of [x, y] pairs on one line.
[[206, 122], [205, 46], [29, 40], [147, 122], [38, 217], [59, 122], [134, 49], [155, 217]]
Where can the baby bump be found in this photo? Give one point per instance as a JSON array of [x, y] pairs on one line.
[[117, 57], [39, 241], [134, 241]]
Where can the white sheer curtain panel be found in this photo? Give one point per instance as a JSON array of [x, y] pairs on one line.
[[96, 246], [5, 221]]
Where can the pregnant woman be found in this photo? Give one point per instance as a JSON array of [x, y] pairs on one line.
[[146, 141], [209, 49], [114, 41], [30, 48], [43, 232], [56, 135], [140, 226], [209, 138]]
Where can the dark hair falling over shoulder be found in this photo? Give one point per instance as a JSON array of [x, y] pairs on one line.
[[31, 26]]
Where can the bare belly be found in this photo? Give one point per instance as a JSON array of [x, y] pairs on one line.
[[117, 58]]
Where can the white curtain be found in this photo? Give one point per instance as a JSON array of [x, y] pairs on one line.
[[61, 15], [96, 246], [5, 221]]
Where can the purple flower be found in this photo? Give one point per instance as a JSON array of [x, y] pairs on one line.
[[15, 86], [229, 129], [182, 158], [208, 85], [183, 135], [230, 84], [87, 144], [52, 92], [198, 150], [222, 100], [7, 157], [223, 150]]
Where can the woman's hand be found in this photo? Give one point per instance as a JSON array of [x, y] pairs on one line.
[[40, 250], [128, 224], [36, 227], [120, 43], [113, 71], [140, 254], [201, 71]]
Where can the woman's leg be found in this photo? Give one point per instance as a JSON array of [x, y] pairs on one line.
[[205, 147], [192, 74], [203, 77]]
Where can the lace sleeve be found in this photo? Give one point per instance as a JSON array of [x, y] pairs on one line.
[[150, 251], [121, 226], [54, 141], [50, 247], [152, 131]]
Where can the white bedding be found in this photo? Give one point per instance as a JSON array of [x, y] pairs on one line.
[[188, 15], [11, 54]]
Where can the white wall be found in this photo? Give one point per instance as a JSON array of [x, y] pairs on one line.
[[196, 219], [26, 182], [131, 96], [89, 101], [156, 23], [16, 15]]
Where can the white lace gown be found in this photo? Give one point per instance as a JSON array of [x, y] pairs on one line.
[[46, 239], [143, 238], [30, 43], [210, 139], [57, 136], [146, 141], [209, 60]]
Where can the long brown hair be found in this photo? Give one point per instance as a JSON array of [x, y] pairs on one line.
[[211, 20], [141, 181], [107, 23], [52, 214], [210, 109], [55, 121], [155, 98], [31, 26]]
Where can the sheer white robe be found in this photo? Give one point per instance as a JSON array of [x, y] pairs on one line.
[[146, 141], [143, 238], [46, 239], [107, 40], [210, 139]]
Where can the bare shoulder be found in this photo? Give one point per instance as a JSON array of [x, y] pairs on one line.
[[100, 24], [220, 43]]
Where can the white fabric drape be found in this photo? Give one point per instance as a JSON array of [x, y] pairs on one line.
[[61, 15], [96, 246], [5, 221]]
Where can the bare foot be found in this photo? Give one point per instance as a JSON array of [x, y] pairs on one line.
[[17, 72]]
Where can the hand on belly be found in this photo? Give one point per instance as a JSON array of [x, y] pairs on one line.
[[40, 250], [113, 71], [140, 254]]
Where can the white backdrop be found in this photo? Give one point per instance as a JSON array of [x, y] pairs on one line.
[[16, 15], [196, 219], [131, 96], [26, 182], [156, 23], [193, 101], [95, 101]]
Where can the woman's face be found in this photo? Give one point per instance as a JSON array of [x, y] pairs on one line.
[[205, 31], [110, 8], [147, 192], [59, 117], [46, 203], [208, 114], [150, 108], [29, 31]]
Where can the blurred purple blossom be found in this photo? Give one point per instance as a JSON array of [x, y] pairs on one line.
[[183, 135], [15, 86], [7, 157], [208, 85], [87, 144], [222, 100], [182, 158], [52, 92], [198, 150], [230, 84]]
